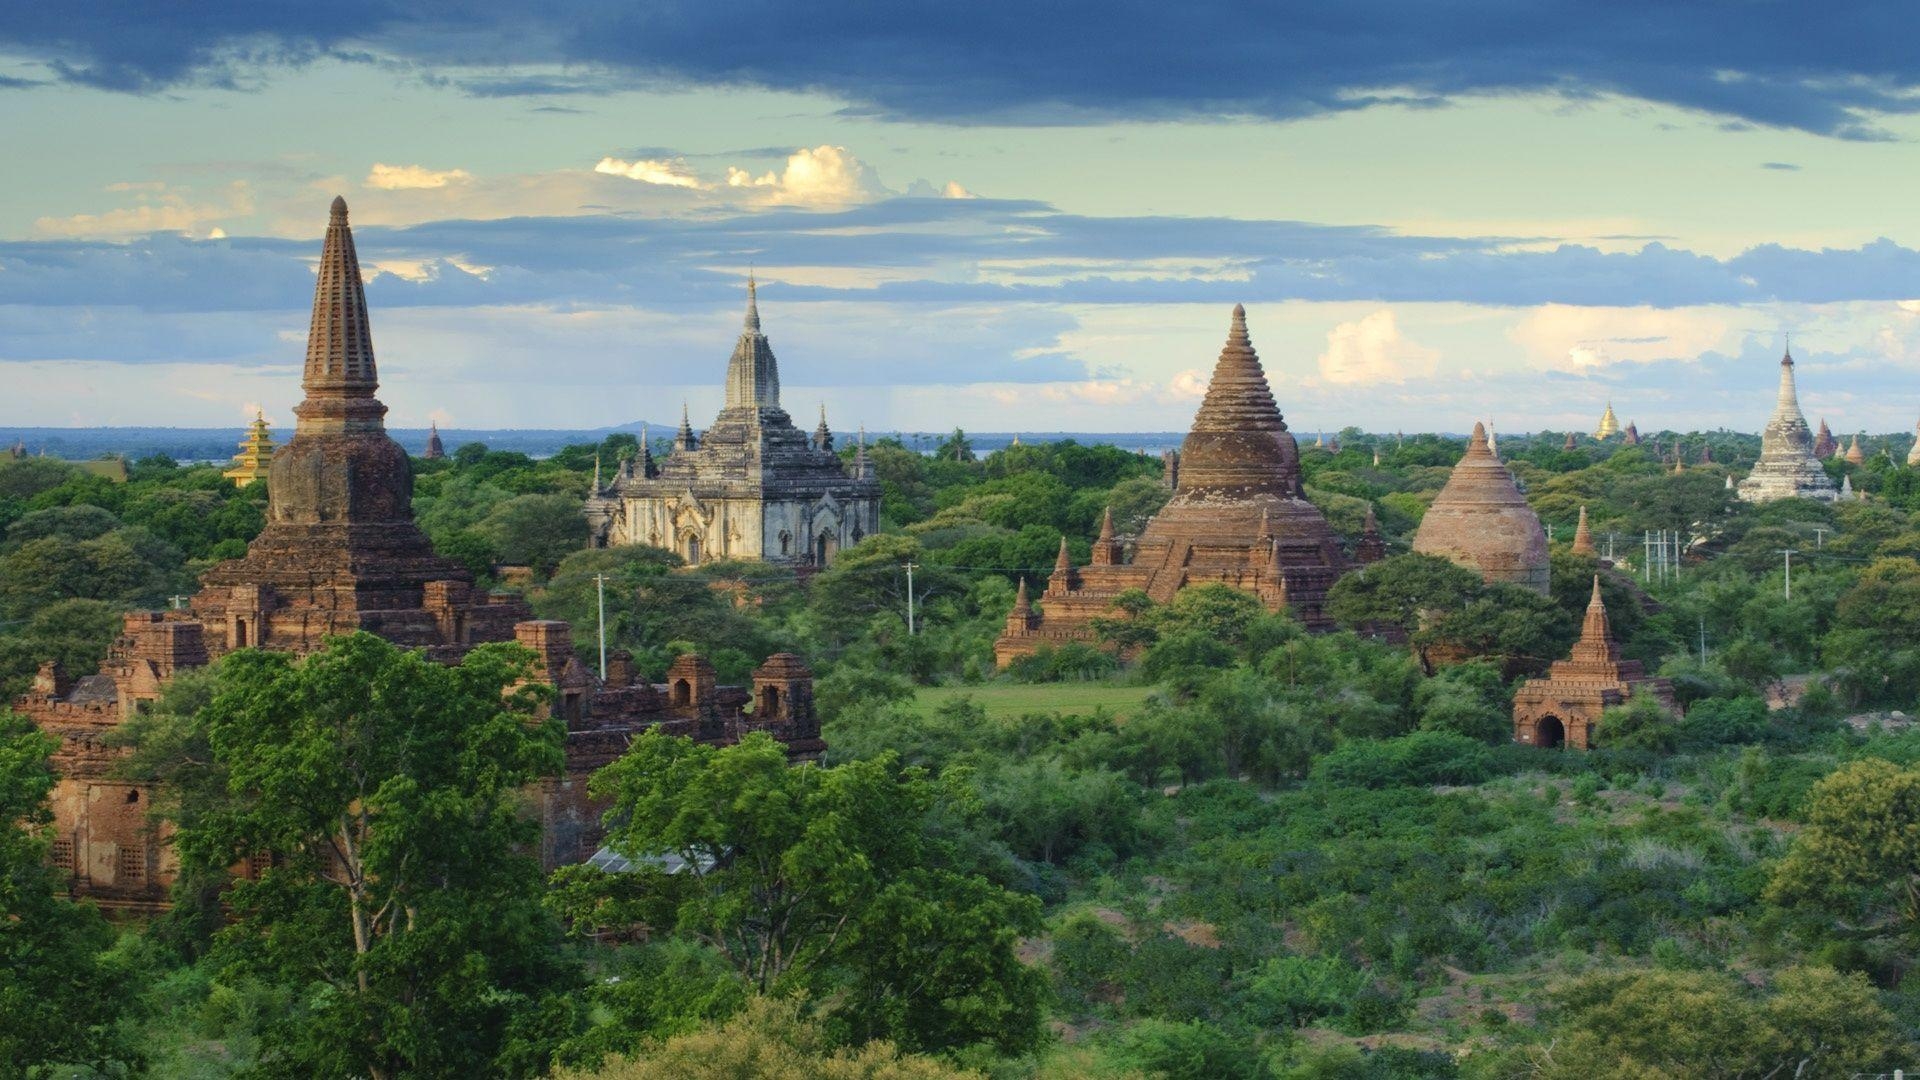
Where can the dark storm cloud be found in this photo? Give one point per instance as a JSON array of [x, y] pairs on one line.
[[938, 251], [1827, 68]]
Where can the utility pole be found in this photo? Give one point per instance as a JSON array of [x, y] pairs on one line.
[[1646, 555], [1819, 537], [1788, 552], [600, 587], [910, 567], [1610, 537], [1703, 639], [179, 602]]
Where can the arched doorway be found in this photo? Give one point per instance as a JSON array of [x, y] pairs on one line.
[[682, 692], [1549, 732], [824, 547], [769, 703], [693, 551]]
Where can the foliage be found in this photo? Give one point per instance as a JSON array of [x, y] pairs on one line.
[[396, 902], [1860, 851], [770, 1040], [61, 995], [830, 878]]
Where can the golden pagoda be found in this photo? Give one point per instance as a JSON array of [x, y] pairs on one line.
[[1609, 427], [256, 454]]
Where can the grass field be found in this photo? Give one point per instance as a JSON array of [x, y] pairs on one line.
[[1010, 700]]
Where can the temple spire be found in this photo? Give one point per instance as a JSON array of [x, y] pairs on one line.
[[683, 439], [822, 436], [1596, 644], [753, 375], [340, 376], [1239, 443], [1061, 563], [1022, 606], [1583, 536]]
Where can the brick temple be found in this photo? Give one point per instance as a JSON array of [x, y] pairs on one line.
[[340, 553], [1563, 708], [1481, 521], [1239, 516]]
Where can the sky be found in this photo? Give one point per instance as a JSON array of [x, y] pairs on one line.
[[998, 216]]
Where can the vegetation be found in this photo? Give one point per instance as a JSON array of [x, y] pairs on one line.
[[1250, 851]]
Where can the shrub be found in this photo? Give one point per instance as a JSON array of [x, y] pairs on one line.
[[1425, 757]]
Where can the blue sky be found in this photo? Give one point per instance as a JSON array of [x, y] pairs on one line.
[[999, 216]]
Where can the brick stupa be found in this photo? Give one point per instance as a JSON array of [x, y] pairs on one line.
[[1563, 708], [1238, 516], [1481, 521], [341, 551], [1787, 468]]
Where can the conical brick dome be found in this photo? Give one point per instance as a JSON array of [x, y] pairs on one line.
[[1238, 463], [1482, 522]]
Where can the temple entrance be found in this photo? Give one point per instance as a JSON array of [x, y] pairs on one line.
[[693, 551], [769, 703], [682, 692], [1549, 732], [824, 548]]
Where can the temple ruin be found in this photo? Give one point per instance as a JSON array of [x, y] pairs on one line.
[[1563, 708]]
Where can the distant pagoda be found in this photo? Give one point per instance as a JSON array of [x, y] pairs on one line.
[[1238, 517], [1630, 437], [1913, 455], [1564, 708], [1609, 426], [1824, 444], [1787, 468], [1481, 521], [435, 451], [255, 456], [1855, 455]]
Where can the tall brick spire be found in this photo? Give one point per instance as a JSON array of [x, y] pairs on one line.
[[1234, 446], [340, 375], [753, 375]]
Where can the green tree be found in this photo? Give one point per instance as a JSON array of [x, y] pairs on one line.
[[835, 880], [1410, 592], [402, 904], [770, 1040], [535, 530], [60, 1000], [1860, 851]]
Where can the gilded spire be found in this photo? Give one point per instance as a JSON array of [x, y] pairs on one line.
[[340, 376], [1609, 425], [254, 458], [1583, 536], [1856, 456]]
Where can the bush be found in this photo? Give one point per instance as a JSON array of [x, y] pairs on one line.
[[1420, 759], [1725, 721], [1195, 1050]]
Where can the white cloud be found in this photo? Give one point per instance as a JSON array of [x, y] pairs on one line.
[[413, 177], [155, 209], [1583, 339], [665, 173], [1190, 385], [1372, 350], [824, 176], [1911, 307]]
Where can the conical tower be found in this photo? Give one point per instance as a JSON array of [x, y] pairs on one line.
[[1596, 644], [1855, 455], [255, 456], [340, 551], [1583, 536], [1481, 521], [1631, 437], [1106, 549], [1787, 468], [1824, 444], [435, 451], [1609, 426], [753, 375]]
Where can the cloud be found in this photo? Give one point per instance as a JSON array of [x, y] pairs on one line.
[[821, 176], [664, 172], [157, 208], [1372, 350], [412, 177], [1833, 68], [1188, 385], [1585, 339], [1780, 166]]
